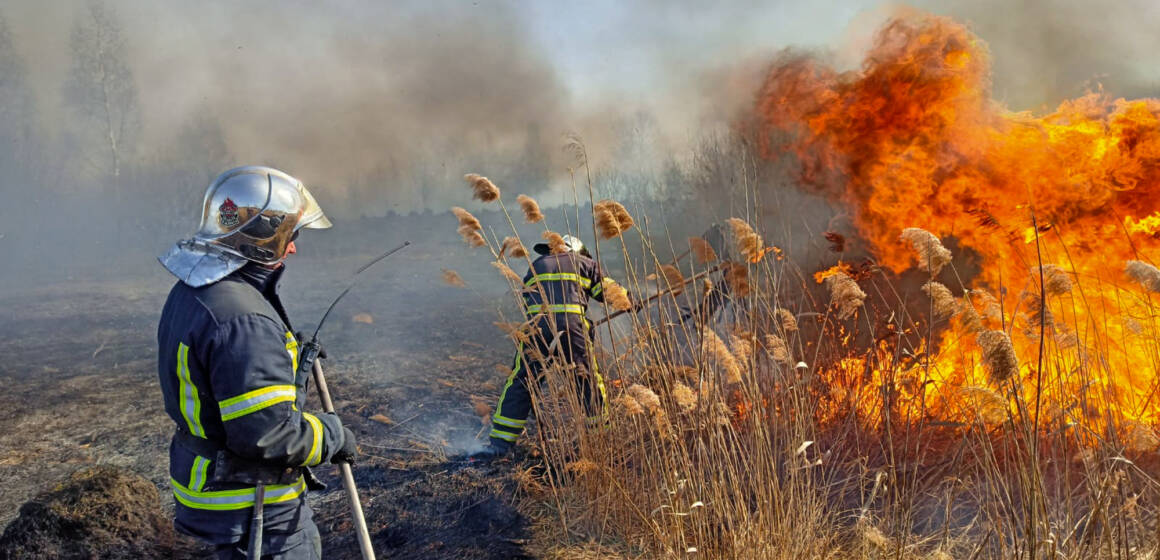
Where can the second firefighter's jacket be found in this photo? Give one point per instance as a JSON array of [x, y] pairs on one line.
[[562, 283], [227, 361]]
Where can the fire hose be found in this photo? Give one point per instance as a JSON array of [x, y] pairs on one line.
[[309, 360]]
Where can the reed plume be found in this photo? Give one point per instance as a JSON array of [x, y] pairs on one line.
[[508, 273], [472, 237], [845, 294], [748, 242], [998, 355], [452, 278], [1147, 275], [777, 348], [987, 405], [466, 219], [629, 404], [513, 247], [482, 187], [725, 359], [787, 320], [1056, 280], [932, 256], [673, 278], [945, 304], [555, 242], [703, 252], [531, 209], [737, 275], [616, 295], [469, 227], [611, 218], [685, 397]]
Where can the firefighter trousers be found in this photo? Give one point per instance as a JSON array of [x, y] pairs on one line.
[[568, 343]]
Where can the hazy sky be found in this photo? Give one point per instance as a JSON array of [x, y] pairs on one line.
[[342, 88]]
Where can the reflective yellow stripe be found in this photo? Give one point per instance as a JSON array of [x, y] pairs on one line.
[[190, 400], [557, 308], [315, 455], [560, 277], [197, 473], [503, 435], [225, 500], [292, 348], [511, 378], [241, 405]]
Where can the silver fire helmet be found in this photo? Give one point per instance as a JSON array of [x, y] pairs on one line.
[[249, 214]]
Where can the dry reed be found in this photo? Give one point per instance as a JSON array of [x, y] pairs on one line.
[[530, 208], [998, 355], [932, 256], [728, 363], [482, 187], [513, 247], [1056, 280], [1145, 274], [673, 279], [703, 252], [452, 278], [508, 273], [945, 305], [556, 245], [748, 242], [787, 320], [612, 219], [845, 294], [685, 397], [777, 348], [616, 295]]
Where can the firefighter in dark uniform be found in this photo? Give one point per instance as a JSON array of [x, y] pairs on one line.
[[556, 293], [227, 361]]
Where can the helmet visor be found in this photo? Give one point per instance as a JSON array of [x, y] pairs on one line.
[[312, 216]]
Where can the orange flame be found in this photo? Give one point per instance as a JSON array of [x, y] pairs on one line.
[[913, 139]]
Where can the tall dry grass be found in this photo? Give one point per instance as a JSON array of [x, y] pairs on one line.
[[760, 432]]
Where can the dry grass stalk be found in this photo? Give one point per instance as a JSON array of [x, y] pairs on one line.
[[787, 320], [508, 273], [845, 294], [724, 358], [945, 304], [555, 242], [737, 275], [513, 247], [518, 332], [646, 397], [685, 397], [581, 467], [998, 355], [932, 256], [531, 209], [616, 295], [1140, 437], [482, 187], [703, 252], [452, 278], [673, 278], [611, 218], [777, 348], [748, 242], [1056, 281], [1147, 275]]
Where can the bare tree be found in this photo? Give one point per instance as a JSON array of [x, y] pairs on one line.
[[100, 88]]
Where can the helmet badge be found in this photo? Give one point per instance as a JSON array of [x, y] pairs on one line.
[[228, 213]]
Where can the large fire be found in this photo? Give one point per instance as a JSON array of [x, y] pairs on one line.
[[913, 139]]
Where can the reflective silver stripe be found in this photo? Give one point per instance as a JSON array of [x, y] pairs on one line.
[[223, 500], [190, 404], [256, 400], [509, 422]]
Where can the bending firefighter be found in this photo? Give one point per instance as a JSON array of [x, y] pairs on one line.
[[227, 361], [556, 293]]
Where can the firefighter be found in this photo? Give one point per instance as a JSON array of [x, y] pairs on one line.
[[227, 361], [556, 294]]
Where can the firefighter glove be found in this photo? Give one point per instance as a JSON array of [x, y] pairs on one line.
[[349, 451]]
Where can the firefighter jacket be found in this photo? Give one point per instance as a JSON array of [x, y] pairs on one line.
[[227, 362], [560, 285]]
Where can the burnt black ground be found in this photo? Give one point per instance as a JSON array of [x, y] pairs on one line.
[[80, 386]]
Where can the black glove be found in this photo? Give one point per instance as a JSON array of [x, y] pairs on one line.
[[349, 451], [302, 338]]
